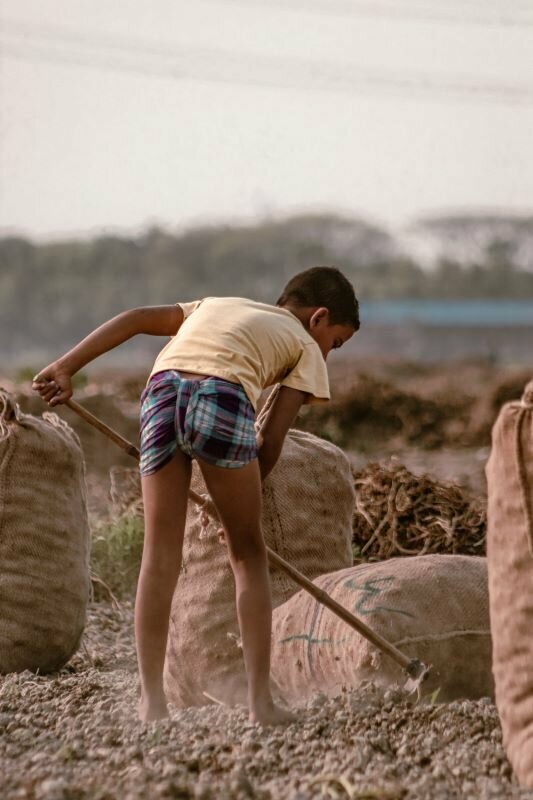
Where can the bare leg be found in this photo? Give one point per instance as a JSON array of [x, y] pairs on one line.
[[165, 510], [237, 497]]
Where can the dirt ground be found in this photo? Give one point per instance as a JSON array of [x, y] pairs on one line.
[[75, 736]]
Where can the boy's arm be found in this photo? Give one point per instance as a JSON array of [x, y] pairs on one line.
[[53, 382], [280, 419]]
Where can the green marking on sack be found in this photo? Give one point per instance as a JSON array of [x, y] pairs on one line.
[[309, 639], [371, 591]]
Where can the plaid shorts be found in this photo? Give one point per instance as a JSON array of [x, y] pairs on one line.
[[210, 418]]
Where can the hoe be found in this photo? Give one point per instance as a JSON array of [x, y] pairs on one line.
[[415, 670]]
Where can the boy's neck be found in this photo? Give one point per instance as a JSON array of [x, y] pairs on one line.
[[303, 314]]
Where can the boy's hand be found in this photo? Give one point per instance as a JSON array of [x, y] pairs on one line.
[[54, 384]]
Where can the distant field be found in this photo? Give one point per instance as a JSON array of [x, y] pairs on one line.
[[435, 342], [408, 340]]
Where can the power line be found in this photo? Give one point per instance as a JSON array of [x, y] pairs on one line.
[[402, 13], [397, 13], [367, 83], [514, 5], [94, 39], [167, 60]]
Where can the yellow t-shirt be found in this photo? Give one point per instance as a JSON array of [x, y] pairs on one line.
[[242, 341]]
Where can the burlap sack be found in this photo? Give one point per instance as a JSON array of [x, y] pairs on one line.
[[432, 607], [44, 541], [307, 518], [510, 560]]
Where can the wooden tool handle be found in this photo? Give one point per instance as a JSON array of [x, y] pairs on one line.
[[103, 428], [206, 504], [324, 598], [275, 559]]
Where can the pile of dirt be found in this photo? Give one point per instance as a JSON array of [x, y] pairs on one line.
[[438, 410], [75, 735], [398, 513], [487, 406], [375, 411]]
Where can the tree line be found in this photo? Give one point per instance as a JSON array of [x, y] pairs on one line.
[[51, 294]]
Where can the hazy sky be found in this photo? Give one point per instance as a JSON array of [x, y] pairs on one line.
[[332, 116]]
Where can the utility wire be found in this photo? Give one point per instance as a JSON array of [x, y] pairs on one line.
[[95, 39], [118, 54], [398, 13]]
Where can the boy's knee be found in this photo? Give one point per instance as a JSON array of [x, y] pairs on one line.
[[246, 545]]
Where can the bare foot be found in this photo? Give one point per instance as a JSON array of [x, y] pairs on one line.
[[271, 714], [150, 710]]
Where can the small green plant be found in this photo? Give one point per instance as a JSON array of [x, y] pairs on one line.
[[25, 374], [116, 555], [434, 695], [356, 552], [79, 380]]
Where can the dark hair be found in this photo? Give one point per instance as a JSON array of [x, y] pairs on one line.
[[324, 286]]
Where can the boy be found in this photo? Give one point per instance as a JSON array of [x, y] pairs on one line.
[[200, 403]]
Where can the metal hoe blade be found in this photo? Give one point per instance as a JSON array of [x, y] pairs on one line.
[[418, 672]]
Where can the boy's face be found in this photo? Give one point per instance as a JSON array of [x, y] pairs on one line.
[[328, 337]]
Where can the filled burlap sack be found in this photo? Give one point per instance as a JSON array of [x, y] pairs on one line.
[[434, 608], [510, 561], [307, 518], [44, 541]]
